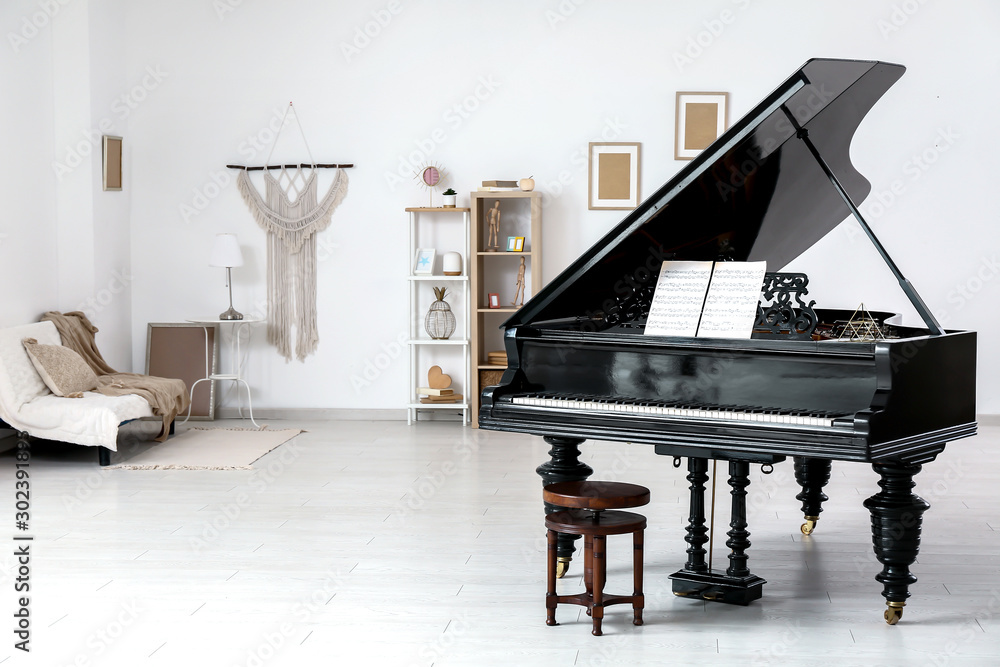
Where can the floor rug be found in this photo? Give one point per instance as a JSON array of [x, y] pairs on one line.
[[209, 449]]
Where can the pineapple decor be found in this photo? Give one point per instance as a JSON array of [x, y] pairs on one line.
[[440, 321]]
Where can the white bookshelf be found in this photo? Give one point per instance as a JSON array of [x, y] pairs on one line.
[[447, 230]]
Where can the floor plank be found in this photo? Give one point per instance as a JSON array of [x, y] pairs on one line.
[[377, 543]]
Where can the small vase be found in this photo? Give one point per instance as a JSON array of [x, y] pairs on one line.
[[450, 200], [440, 321]]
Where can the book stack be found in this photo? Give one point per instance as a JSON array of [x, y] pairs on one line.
[[499, 186], [431, 395], [496, 358]]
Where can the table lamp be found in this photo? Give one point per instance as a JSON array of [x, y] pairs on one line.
[[226, 252]]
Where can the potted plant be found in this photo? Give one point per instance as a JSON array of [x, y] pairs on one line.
[[449, 198]]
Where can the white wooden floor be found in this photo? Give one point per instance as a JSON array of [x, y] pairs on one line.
[[374, 543]]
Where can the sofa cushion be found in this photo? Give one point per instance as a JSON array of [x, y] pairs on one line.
[[63, 370]]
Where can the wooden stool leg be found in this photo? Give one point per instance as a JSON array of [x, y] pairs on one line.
[[588, 567], [600, 575], [638, 601], [550, 594]]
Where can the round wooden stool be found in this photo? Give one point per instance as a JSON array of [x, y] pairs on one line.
[[596, 496], [594, 516]]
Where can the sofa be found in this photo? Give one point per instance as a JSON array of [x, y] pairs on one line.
[[28, 406]]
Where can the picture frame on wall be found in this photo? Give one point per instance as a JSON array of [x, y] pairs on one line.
[[112, 161], [613, 180], [423, 262], [701, 118]]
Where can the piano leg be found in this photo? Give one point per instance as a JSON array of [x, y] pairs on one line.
[[697, 532], [812, 475], [563, 466], [736, 585], [739, 536], [897, 514]]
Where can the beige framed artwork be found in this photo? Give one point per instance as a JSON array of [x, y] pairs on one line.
[[701, 119], [613, 182], [112, 163]]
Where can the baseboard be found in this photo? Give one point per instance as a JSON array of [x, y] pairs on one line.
[[318, 414], [338, 414]]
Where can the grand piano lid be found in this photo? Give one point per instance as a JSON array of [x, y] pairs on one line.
[[756, 193]]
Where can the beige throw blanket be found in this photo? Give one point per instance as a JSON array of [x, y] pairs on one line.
[[167, 396]]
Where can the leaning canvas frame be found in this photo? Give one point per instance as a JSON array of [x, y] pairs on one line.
[[613, 180], [701, 118], [189, 352], [112, 162]]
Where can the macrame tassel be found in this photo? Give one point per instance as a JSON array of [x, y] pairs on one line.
[[291, 256]]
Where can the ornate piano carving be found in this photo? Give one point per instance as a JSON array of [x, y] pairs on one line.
[[775, 183]]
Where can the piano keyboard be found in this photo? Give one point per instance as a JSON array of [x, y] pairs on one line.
[[740, 413]]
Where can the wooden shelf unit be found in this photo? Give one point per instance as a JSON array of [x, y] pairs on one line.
[[520, 215]]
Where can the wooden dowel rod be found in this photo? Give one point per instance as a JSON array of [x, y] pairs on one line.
[[290, 166]]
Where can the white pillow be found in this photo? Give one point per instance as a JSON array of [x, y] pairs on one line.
[[19, 381]]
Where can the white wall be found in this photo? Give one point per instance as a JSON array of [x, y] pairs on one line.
[[27, 224], [509, 90], [67, 241], [110, 302]]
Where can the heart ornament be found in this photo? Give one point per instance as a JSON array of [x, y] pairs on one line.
[[436, 379]]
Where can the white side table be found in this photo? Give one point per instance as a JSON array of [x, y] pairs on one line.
[[237, 366]]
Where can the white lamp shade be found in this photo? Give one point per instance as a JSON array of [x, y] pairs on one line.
[[226, 251]]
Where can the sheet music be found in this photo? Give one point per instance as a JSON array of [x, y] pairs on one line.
[[678, 299], [731, 305]]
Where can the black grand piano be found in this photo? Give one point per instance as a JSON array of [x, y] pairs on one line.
[[580, 366]]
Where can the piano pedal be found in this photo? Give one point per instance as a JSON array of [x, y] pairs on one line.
[[894, 612], [810, 525], [717, 587]]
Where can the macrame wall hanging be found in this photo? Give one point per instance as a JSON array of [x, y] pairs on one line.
[[292, 214]]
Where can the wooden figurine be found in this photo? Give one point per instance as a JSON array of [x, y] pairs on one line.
[[493, 218], [519, 284]]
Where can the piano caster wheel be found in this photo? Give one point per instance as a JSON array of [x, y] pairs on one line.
[[809, 526], [894, 612], [562, 567]]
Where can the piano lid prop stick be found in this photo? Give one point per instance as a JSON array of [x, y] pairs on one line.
[[904, 284]]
